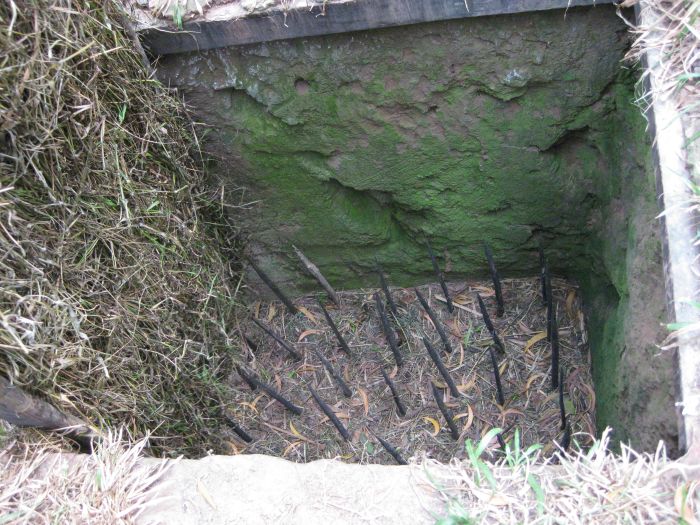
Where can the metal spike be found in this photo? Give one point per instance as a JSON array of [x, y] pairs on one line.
[[435, 320], [387, 293], [388, 331], [543, 273], [343, 345], [272, 286], [496, 281], [277, 338], [555, 350], [562, 408], [400, 408], [391, 450], [497, 376], [238, 430], [454, 432], [441, 367], [441, 278], [270, 391], [331, 415], [489, 325], [335, 375]]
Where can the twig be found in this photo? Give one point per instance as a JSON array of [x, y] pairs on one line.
[[270, 391], [388, 331], [441, 277], [435, 320], [497, 376], [238, 430], [496, 281], [343, 345], [313, 270], [334, 374], [277, 338], [454, 432], [400, 408], [331, 415], [489, 325], [441, 367], [387, 292], [275, 289]]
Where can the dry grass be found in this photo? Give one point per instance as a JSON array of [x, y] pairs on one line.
[[675, 34], [588, 486], [530, 405], [111, 486], [115, 293]]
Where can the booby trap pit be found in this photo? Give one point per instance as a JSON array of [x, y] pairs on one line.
[[423, 389], [361, 139]]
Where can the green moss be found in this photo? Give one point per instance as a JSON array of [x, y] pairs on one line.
[[506, 129]]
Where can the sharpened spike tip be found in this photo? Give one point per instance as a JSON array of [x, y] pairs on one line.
[[441, 278], [275, 289], [454, 431], [331, 415], [441, 367], [489, 325], [435, 320], [500, 310], [343, 344]]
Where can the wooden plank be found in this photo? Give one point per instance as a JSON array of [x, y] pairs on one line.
[[339, 18]]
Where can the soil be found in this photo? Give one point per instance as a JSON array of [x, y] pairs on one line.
[[531, 407]]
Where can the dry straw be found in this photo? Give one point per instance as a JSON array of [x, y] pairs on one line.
[[673, 32], [114, 293], [591, 486], [112, 486]]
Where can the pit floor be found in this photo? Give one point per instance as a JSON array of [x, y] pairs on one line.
[[530, 404]]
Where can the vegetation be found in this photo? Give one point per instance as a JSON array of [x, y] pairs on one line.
[[116, 285]]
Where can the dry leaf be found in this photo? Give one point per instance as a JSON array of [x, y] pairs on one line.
[[271, 312], [467, 386], [434, 422], [205, 494], [307, 333], [570, 304], [249, 405], [470, 418], [308, 314], [534, 340], [532, 379], [291, 447], [498, 500], [233, 449], [365, 399]]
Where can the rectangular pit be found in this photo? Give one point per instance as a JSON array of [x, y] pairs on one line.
[[513, 129]]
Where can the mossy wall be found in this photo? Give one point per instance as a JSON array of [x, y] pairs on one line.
[[359, 147]]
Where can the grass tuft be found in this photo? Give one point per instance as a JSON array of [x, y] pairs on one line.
[[115, 286]]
